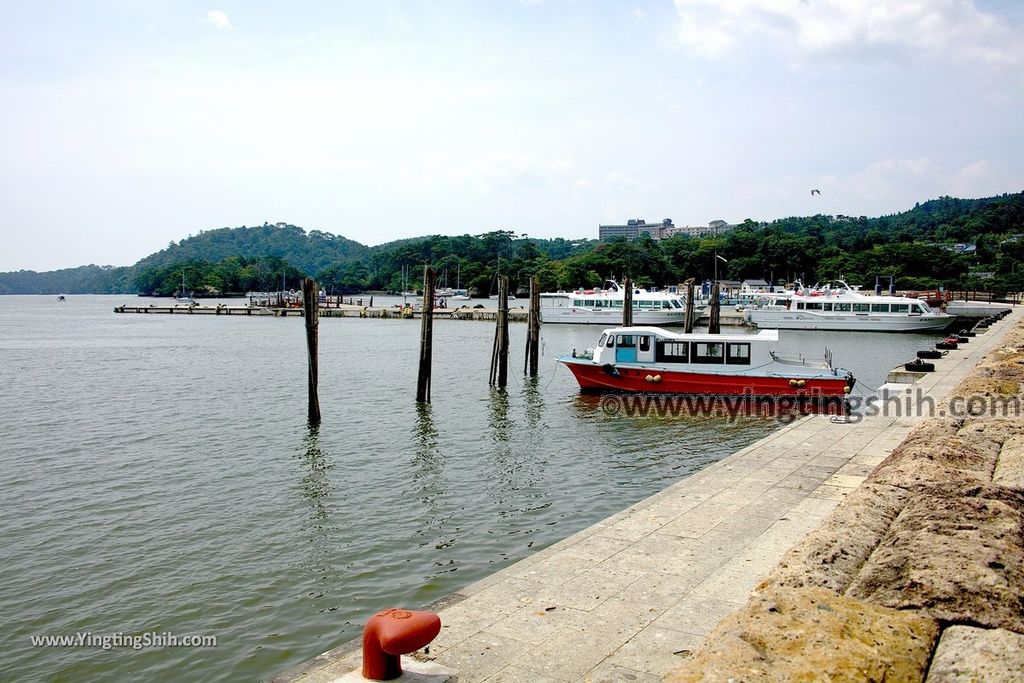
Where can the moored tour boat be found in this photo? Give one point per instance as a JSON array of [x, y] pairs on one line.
[[840, 307], [653, 360], [604, 306]]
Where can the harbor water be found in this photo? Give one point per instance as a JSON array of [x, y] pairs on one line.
[[159, 477]]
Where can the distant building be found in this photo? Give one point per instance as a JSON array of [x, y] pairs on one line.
[[634, 229], [712, 229], [754, 286]]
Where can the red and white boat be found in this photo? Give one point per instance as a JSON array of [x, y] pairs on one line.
[[653, 360]]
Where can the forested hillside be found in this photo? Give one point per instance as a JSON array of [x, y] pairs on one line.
[[918, 246]]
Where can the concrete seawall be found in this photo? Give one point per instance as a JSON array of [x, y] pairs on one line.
[[635, 597]]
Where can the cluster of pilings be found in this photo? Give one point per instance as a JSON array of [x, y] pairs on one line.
[[499, 355]]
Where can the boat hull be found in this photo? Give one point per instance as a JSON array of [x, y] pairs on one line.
[[801, 320], [594, 377], [570, 315]]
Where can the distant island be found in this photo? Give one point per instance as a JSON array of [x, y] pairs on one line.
[[948, 242]]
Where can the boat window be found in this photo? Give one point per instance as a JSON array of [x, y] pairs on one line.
[[708, 352], [827, 306], [672, 352], [676, 303], [577, 302], [737, 353], [843, 307], [601, 341], [900, 308], [589, 302], [611, 341], [616, 304], [598, 304], [644, 303], [627, 341], [799, 305], [666, 304], [645, 343], [861, 308], [920, 308], [814, 305], [879, 308]]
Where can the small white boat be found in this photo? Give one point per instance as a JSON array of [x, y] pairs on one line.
[[494, 297], [840, 307], [183, 297]]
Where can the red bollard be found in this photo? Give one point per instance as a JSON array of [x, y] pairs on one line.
[[392, 633]]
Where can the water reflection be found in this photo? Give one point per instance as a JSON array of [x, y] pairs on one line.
[[497, 418], [316, 484], [427, 462], [534, 402], [316, 488]]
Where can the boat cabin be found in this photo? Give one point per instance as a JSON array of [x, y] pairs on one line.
[[656, 346], [913, 308]]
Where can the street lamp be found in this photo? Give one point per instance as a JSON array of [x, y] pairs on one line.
[[717, 258]]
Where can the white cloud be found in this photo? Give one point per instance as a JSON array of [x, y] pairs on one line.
[[621, 180], [219, 19], [889, 29], [979, 179], [638, 14]]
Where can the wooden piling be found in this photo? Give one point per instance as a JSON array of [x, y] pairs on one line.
[[426, 336], [690, 315], [311, 312], [499, 356], [627, 304], [531, 363], [714, 320]]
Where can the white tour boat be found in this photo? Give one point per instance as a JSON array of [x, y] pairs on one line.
[[604, 307], [840, 307]]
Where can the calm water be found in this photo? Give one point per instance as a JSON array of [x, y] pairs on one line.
[[157, 475]]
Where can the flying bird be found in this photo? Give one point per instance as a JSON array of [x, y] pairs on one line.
[[814, 192]]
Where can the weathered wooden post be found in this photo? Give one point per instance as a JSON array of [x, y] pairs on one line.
[[689, 307], [627, 304], [499, 357], [426, 336], [311, 311], [532, 360], [714, 322]]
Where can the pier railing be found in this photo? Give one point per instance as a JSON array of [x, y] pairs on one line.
[[988, 297]]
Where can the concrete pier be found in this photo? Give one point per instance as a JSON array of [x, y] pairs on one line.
[[633, 596]]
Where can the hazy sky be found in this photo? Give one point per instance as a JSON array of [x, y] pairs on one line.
[[126, 124]]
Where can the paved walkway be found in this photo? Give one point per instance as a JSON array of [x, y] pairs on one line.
[[627, 597]]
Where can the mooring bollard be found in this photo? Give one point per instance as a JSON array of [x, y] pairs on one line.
[[392, 633]]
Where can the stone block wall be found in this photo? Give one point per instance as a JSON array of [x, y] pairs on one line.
[[918, 575]]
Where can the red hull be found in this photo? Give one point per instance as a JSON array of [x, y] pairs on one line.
[[592, 377]]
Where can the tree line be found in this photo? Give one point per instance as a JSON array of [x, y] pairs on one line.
[[918, 247]]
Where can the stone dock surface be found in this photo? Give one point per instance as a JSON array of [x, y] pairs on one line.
[[636, 596]]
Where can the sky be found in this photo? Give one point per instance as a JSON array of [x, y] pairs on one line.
[[128, 124]]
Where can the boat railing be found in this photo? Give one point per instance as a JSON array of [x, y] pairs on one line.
[[800, 360]]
